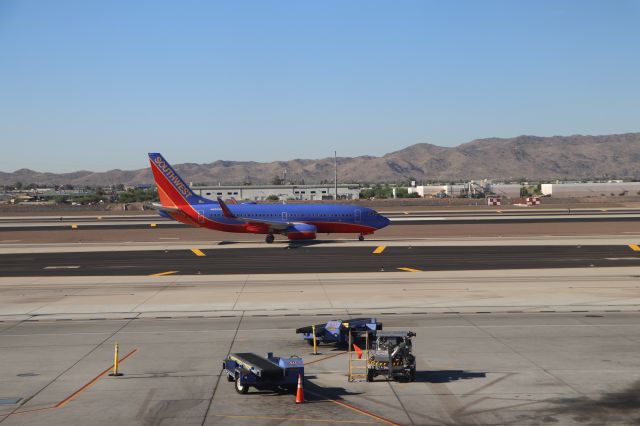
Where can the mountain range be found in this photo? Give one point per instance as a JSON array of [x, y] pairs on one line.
[[529, 157]]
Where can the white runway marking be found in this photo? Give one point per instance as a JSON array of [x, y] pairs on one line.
[[622, 258], [61, 267]]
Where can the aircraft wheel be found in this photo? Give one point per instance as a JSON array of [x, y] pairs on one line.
[[361, 238], [269, 238]]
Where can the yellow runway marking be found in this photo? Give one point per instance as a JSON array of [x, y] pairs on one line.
[[198, 252], [74, 226], [153, 225], [410, 270], [634, 247], [160, 274], [379, 249]]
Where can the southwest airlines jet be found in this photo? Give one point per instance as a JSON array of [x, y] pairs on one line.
[[295, 221]]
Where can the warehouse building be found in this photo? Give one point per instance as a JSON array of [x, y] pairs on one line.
[[592, 189], [467, 189], [508, 190], [283, 192]]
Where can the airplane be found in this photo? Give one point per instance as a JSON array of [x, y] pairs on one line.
[[295, 221]]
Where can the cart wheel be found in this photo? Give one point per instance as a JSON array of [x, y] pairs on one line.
[[370, 375], [412, 375], [241, 388], [230, 378]]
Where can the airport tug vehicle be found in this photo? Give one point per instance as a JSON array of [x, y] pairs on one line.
[[276, 373], [337, 331], [390, 355]]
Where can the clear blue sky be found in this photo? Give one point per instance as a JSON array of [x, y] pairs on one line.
[[98, 84]]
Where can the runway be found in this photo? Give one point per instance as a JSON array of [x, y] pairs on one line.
[[409, 217], [509, 346], [519, 328], [317, 259]]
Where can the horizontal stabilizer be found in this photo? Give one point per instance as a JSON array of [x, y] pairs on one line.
[[158, 206]]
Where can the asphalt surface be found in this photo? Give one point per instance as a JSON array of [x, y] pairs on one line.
[[494, 369], [310, 259]]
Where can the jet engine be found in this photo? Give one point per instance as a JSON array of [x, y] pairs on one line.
[[301, 231]]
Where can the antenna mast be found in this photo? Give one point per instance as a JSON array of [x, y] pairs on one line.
[[335, 169]]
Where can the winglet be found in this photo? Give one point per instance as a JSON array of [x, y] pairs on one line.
[[225, 210]]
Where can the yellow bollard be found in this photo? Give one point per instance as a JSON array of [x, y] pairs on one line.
[[115, 362], [315, 341]]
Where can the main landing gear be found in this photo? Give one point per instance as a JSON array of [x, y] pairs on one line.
[[360, 237], [269, 238]]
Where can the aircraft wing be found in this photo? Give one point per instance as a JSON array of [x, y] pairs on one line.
[[275, 224]]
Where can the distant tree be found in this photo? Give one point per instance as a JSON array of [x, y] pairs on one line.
[[404, 193], [137, 195], [273, 198], [538, 189], [18, 185], [369, 192], [277, 180]]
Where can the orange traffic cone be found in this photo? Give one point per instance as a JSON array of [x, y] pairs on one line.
[[300, 391]]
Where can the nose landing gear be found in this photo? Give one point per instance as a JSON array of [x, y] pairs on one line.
[[360, 237], [269, 238]]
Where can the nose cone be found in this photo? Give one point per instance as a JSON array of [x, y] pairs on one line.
[[384, 222]]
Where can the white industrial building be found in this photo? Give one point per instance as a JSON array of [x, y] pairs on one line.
[[591, 189], [508, 190], [428, 190], [283, 192]]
